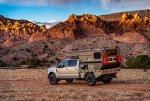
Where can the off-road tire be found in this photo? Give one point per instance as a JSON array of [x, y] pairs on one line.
[[69, 80], [52, 79], [91, 80]]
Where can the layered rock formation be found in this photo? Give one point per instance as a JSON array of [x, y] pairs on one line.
[[94, 26], [13, 32], [127, 28], [83, 26]]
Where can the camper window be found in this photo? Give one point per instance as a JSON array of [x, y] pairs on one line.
[[97, 55]]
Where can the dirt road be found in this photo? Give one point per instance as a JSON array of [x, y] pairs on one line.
[[117, 86], [33, 85], [78, 90]]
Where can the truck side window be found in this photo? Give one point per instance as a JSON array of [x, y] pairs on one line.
[[64, 64], [97, 55], [72, 63]]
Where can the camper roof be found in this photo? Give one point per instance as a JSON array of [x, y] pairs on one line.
[[90, 50]]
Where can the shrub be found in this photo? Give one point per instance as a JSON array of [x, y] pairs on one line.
[[46, 46], [33, 62], [28, 50], [140, 62], [15, 59], [2, 64], [58, 59], [45, 63]]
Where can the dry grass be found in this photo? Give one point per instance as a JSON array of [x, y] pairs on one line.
[[32, 85]]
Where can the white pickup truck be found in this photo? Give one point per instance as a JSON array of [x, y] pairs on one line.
[[75, 69]]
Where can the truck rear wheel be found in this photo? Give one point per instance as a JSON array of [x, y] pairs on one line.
[[91, 80], [69, 80], [53, 80]]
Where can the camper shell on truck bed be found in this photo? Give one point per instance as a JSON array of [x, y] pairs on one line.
[[98, 59]]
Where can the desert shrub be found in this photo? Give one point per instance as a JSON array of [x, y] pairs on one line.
[[51, 54], [58, 59], [52, 42], [14, 58], [2, 64], [52, 62], [140, 62], [46, 46], [44, 63], [28, 50], [33, 62]]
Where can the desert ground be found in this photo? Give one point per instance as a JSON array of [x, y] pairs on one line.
[[33, 85]]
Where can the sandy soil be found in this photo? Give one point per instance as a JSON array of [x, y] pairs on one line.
[[32, 84]]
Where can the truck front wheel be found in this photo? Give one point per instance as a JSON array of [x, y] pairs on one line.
[[53, 80], [91, 80]]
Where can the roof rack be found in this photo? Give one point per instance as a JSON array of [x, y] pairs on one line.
[[89, 50]]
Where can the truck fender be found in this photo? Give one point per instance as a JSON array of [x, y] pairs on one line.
[[50, 74], [89, 73]]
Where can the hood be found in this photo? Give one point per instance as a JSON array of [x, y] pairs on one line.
[[52, 67]]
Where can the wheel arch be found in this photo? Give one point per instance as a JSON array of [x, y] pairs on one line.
[[51, 74], [89, 73]]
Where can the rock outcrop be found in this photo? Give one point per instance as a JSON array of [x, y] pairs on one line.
[[13, 32], [38, 37], [83, 26], [134, 22], [127, 29], [132, 37]]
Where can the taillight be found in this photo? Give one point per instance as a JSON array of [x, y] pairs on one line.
[[119, 58], [105, 60]]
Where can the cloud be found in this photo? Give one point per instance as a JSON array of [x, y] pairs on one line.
[[37, 2], [125, 4], [47, 24], [106, 4]]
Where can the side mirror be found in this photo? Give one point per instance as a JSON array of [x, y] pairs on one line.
[[58, 66], [63, 66]]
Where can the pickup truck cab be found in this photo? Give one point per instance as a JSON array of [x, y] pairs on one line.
[[104, 69]]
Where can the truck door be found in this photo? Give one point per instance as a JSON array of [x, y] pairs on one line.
[[73, 68], [61, 69], [68, 69]]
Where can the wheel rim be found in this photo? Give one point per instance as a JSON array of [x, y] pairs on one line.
[[52, 79], [89, 80]]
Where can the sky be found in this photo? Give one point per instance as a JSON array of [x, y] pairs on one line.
[[59, 10]]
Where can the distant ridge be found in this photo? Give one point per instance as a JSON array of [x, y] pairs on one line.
[[116, 16], [124, 26]]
